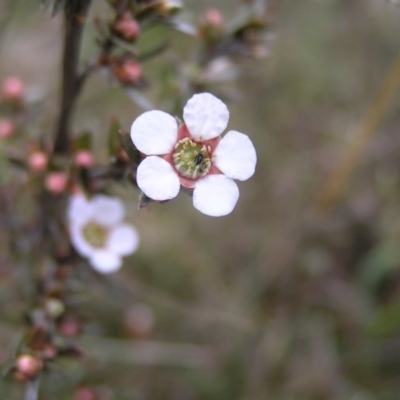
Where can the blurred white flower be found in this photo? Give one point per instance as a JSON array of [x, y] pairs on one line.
[[193, 155], [221, 70], [97, 231]]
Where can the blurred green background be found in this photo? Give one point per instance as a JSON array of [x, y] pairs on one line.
[[278, 300]]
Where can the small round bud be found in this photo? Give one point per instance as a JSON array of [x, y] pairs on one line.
[[127, 27], [38, 161], [168, 7], [49, 352], [84, 158], [29, 366], [140, 321], [7, 128], [129, 72], [213, 17], [56, 182], [122, 156], [84, 393], [13, 88], [20, 377], [211, 25], [70, 326], [54, 308]]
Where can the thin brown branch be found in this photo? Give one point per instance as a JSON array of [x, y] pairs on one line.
[[72, 82]]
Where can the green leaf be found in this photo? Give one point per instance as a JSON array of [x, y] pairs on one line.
[[144, 200], [387, 321], [124, 45], [5, 175], [130, 148], [18, 163], [380, 261], [114, 144], [154, 52], [84, 180], [83, 142]]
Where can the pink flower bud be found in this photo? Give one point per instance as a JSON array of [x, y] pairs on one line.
[[213, 17], [56, 182], [84, 158], [129, 72], [29, 366], [127, 27], [13, 88], [49, 352], [70, 326], [7, 128], [84, 393], [38, 161]]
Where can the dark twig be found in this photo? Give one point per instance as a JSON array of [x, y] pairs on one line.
[[72, 81]]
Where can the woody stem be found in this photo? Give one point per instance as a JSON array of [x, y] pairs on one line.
[[74, 15]]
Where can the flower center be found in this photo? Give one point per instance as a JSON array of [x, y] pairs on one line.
[[95, 234], [191, 159]]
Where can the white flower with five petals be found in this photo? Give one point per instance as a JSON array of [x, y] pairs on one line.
[[193, 155], [97, 231]]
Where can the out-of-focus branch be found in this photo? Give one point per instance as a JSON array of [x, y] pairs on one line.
[[368, 125], [163, 299], [32, 390], [75, 16], [150, 353]]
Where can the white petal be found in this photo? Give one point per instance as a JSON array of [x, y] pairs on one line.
[[215, 195], [105, 261], [154, 132], [205, 116], [123, 240], [107, 210], [157, 179], [79, 209], [235, 156], [80, 244]]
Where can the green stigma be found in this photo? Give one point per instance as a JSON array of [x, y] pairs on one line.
[[192, 160], [95, 234]]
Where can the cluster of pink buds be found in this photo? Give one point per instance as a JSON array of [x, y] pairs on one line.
[[123, 66], [11, 98], [39, 162], [57, 180]]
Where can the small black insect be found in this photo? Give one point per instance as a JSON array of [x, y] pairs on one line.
[[198, 159]]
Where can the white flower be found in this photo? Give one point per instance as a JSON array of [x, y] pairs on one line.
[[98, 233], [193, 155]]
